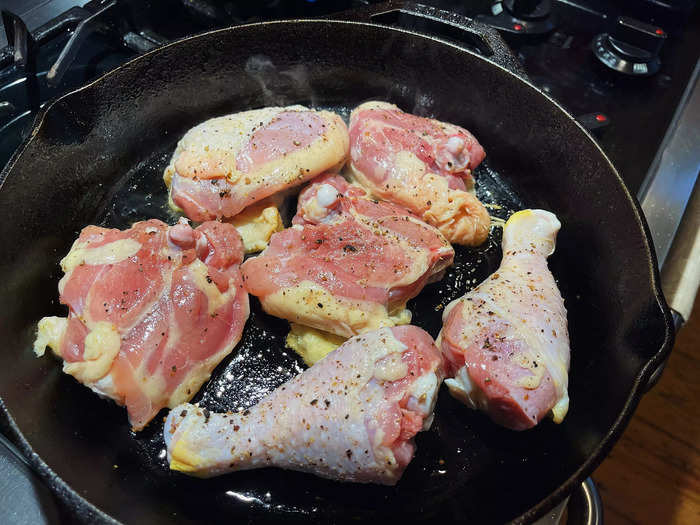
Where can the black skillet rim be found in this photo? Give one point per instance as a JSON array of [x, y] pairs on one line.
[[88, 512]]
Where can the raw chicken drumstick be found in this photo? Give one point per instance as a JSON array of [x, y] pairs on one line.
[[506, 343], [152, 310], [350, 417], [422, 164], [227, 163], [348, 264]]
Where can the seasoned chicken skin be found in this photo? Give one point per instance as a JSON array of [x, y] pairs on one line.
[[152, 310], [348, 264], [422, 164], [350, 417], [506, 343], [227, 163]]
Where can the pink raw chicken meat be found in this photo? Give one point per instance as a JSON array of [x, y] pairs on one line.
[[350, 417], [348, 264], [152, 310], [227, 163], [422, 164], [506, 342]]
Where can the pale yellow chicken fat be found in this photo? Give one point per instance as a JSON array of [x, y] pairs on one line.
[[313, 345], [256, 224]]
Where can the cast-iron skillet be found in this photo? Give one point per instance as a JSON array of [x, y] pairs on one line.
[[96, 156]]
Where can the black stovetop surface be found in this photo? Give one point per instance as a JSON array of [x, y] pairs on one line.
[[640, 109]]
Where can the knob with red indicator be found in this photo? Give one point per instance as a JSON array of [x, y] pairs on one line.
[[594, 121], [631, 48], [526, 17], [528, 9]]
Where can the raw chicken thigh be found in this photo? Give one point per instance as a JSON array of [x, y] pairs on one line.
[[506, 343], [348, 264], [152, 310], [422, 164], [227, 163], [350, 417]]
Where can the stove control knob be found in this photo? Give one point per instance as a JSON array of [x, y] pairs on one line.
[[521, 17], [632, 48], [529, 9]]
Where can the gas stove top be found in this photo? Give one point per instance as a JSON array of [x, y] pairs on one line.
[[627, 69]]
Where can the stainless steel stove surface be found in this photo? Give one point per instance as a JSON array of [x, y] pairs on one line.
[[627, 69]]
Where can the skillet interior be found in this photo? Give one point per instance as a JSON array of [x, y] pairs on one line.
[[97, 156]]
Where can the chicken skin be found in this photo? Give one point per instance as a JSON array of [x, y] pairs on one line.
[[152, 311], [422, 164], [228, 163], [350, 417], [506, 343], [348, 264]]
